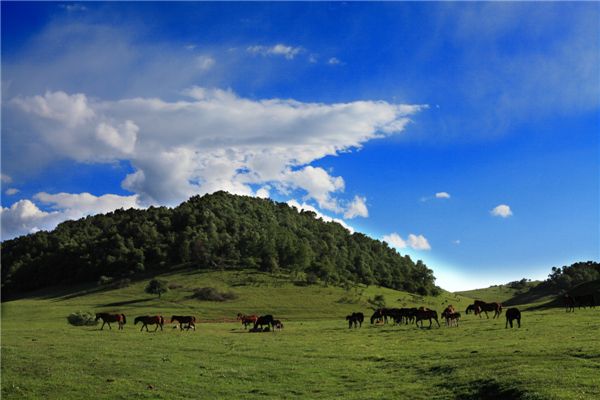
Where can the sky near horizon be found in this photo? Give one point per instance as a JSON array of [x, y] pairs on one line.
[[464, 134]]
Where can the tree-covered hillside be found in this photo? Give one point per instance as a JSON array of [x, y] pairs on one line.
[[217, 231]]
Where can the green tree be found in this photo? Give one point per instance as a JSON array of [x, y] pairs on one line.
[[157, 286]]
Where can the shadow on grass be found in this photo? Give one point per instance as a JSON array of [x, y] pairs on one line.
[[127, 302], [492, 390]]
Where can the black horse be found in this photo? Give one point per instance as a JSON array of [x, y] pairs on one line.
[[187, 319], [585, 301], [485, 307], [264, 320], [512, 314], [569, 303], [426, 314], [356, 319]]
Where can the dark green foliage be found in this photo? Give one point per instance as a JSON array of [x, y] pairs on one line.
[[81, 318], [157, 286], [567, 277], [217, 231], [377, 302], [212, 294]]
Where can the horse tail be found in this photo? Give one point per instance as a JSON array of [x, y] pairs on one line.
[[124, 319]]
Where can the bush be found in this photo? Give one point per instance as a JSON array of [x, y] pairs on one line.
[[81, 318], [157, 286], [104, 280], [212, 294]]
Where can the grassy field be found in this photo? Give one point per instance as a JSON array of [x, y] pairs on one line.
[[499, 293], [316, 356]]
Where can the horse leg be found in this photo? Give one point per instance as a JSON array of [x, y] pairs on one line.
[[109, 327], [102, 328]]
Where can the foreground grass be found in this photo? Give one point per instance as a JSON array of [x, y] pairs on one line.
[[554, 355]]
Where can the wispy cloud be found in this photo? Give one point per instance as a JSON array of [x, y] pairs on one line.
[[288, 52]]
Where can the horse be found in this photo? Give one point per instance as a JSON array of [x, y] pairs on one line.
[[108, 318], [188, 319], [409, 314], [569, 303], [423, 314], [472, 309], [355, 318], [585, 301], [146, 320], [377, 316], [512, 314], [247, 319], [485, 307], [277, 325], [264, 320], [450, 315]]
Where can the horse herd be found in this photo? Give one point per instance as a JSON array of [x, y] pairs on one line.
[[450, 315], [405, 316]]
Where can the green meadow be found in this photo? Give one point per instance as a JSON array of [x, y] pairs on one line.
[[554, 355]]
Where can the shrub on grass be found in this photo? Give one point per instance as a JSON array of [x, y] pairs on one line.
[[212, 294], [82, 318]]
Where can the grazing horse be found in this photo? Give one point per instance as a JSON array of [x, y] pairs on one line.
[[108, 318], [146, 320], [512, 314], [472, 308], [277, 325], [485, 307], [264, 320], [188, 319], [377, 316], [423, 314], [569, 303], [585, 301], [247, 319], [451, 316], [356, 319]]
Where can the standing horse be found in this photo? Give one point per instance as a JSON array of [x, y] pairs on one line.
[[569, 303], [423, 314], [356, 319], [512, 314], [263, 320], [188, 319], [108, 318], [450, 315], [585, 301], [485, 307], [247, 319], [146, 320]]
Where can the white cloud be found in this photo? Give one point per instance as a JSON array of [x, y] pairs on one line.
[[357, 208], [502, 211], [5, 178], [456, 242], [415, 242], [205, 63], [211, 140], [308, 207], [289, 52], [11, 191], [263, 192], [25, 217], [333, 61], [442, 195]]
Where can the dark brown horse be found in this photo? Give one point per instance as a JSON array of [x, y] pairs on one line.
[[451, 316], [187, 319], [356, 319], [108, 318], [247, 319], [146, 320], [277, 325], [485, 307], [512, 314], [264, 320], [569, 303], [425, 313], [585, 301]]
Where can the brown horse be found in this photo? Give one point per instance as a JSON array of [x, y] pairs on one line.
[[485, 307], [108, 318], [512, 314], [450, 315], [569, 303], [188, 319], [425, 313], [247, 319], [146, 320]]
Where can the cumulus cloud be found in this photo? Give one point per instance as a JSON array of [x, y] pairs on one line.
[[357, 208], [442, 195], [25, 217], [333, 61], [210, 140], [11, 191], [289, 52], [326, 218], [502, 211], [5, 178], [415, 242]]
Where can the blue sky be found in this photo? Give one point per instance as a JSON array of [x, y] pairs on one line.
[[464, 134]]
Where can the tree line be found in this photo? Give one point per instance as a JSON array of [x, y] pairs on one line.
[[216, 231]]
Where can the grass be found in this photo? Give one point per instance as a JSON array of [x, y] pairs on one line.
[[498, 293], [555, 355]]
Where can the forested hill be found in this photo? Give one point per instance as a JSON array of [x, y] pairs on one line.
[[217, 231]]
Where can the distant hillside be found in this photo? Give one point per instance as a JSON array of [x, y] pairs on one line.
[[500, 293], [214, 232]]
